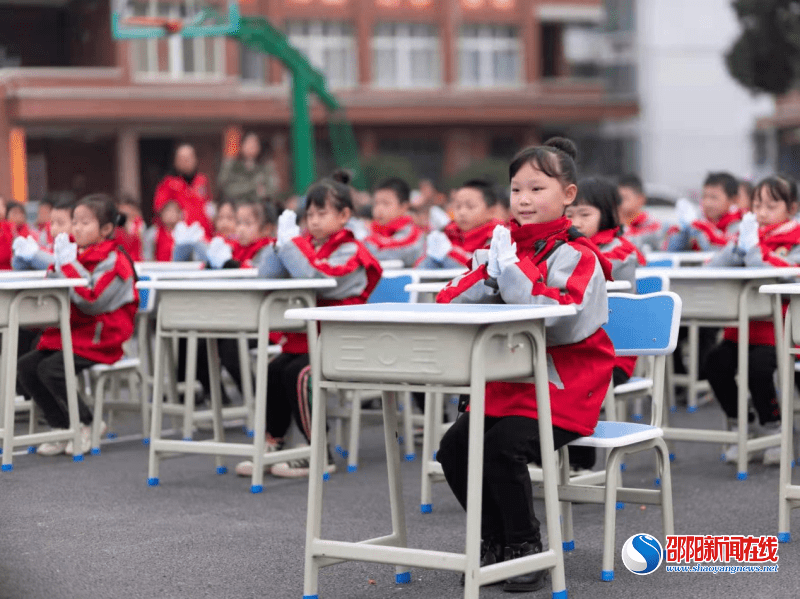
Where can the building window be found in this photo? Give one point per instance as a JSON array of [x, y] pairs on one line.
[[330, 46], [572, 50], [621, 15], [175, 56], [252, 66], [488, 56], [406, 55]]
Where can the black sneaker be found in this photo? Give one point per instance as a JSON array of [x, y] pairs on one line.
[[491, 553], [524, 583]]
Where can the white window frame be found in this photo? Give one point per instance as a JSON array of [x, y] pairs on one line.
[[316, 43], [175, 52], [402, 44], [487, 44]]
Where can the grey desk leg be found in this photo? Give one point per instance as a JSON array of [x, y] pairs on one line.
[[189, 386], [694, 367], [742, 369], [260, 399], [163, 346], [787, 446], [391, 434], [355, 432], [428, 435], [408, 426], [9, 359], [316, 467], [172, 379], [212, 349], [69, 367], [247, 382]]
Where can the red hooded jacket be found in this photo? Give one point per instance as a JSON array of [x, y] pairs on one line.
[[191, 197], [102, 313]]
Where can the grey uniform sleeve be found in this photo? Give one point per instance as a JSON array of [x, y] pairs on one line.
[[727, 256]]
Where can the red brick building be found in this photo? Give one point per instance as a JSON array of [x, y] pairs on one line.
[[443, 82]]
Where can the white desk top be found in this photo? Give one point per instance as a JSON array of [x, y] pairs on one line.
[[203, 275], [781, 288], [681, 257], [16, 275], [24, 285], [476, 314], [161, 266], [708, 273], [439, 285], [423, 274], [237, 285]]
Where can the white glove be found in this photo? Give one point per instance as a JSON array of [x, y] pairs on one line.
[[180, 233], [218, 252], [748, 233], [502, 252], [25, 247], [437, 218], [438, 245], [195, 232], [686, 212], [287, 228], [64, 251]]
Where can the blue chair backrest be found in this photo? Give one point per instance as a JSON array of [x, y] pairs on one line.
[[660, 264], [641, 325], [392, 290], [645, 285], [144, 295]]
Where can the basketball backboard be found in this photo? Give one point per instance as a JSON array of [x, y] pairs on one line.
[[138, 19]]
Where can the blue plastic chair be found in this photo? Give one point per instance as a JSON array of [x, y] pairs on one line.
[[660, 264], [392, 289], [638, 326]]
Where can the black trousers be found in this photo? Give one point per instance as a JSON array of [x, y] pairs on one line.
[[228, 357], [510, 444], [42, 375], [762, 361], [282, 398], [707, 338]]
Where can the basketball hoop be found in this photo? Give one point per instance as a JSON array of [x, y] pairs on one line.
[[170, 26]]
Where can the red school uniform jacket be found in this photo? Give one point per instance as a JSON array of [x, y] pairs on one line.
[[625, 258], [466, 242], [644, 231], [341, 257], [554, 269], [246, 255], [192, 197], [7, 236], [779, 245], [132, 242], [399, 239], [102, 313], [704, 235]]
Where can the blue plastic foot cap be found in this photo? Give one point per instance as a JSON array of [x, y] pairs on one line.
[[691, 409], [111, 436], [345, 453], [623, 467], [722, 457], [673, 409], [222, 470], [326, 476], [784, 537], [793, 463], [338, 449], [434, 456], [741, 476], [152, 482], [146, 441], [426, 508], [31, 449], [657, 482], [672, 457], [402, 578], [410, 457], [351, 468], [187, 438], [560, 594], [310, 596], [637, 417], [250, 433], [77, 458], [256, 488], [620, 505], [568, 545], [607, 575], [400, 440], [7, 467], [95, 451], [1, 451]]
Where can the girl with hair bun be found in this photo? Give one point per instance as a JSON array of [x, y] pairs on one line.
[[538, 260]]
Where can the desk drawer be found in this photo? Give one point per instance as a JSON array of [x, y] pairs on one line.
[[229, 311], [718, 300], [422, 354], [39, 310]]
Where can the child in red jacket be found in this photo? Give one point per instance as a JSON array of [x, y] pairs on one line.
[[158, 242], [328, 250], [101, 319], [130, 235], [394, 236], [768, 237], [473, 207], [537, 260]]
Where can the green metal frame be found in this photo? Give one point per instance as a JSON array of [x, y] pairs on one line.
[[258, 34]]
